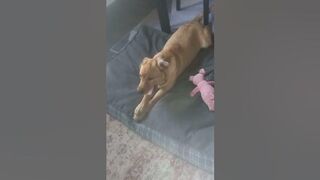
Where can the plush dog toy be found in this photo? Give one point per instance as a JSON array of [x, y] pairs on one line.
[[204, 87]]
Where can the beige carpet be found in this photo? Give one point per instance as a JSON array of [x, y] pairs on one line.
[[129, 157]]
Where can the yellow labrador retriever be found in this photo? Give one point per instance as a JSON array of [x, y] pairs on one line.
[[159, 73]]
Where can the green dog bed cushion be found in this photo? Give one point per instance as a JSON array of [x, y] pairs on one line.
[[181, 124]]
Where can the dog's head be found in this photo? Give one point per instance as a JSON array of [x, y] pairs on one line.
[[151, 74]]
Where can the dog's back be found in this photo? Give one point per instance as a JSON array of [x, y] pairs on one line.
[[187, 41]]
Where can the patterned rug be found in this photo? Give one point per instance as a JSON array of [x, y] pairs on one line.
[[129, 157]]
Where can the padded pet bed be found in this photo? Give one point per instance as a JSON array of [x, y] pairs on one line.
[[178, 123]]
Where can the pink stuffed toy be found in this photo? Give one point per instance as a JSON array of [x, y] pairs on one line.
[[205, 88]]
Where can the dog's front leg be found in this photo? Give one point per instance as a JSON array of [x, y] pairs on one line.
[[157, 96], [146, 104], [141, 109], [161, 92]]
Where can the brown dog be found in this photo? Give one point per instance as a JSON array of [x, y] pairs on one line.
[[158, 74]]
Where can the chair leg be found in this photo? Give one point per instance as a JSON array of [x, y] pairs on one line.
[[178, 5], [163, 16], [205, 12]]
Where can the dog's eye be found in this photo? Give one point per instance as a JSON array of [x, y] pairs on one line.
[[149, 79]]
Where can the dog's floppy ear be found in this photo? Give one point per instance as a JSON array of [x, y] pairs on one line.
[[162, 63]]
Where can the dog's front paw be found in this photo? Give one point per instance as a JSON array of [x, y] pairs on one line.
[[139, 113]]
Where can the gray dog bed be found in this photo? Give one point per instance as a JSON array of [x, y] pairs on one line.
[[178, 123]]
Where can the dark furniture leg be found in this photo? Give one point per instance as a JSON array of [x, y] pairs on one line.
[[178, 5], [163, 16], [205, 12]]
